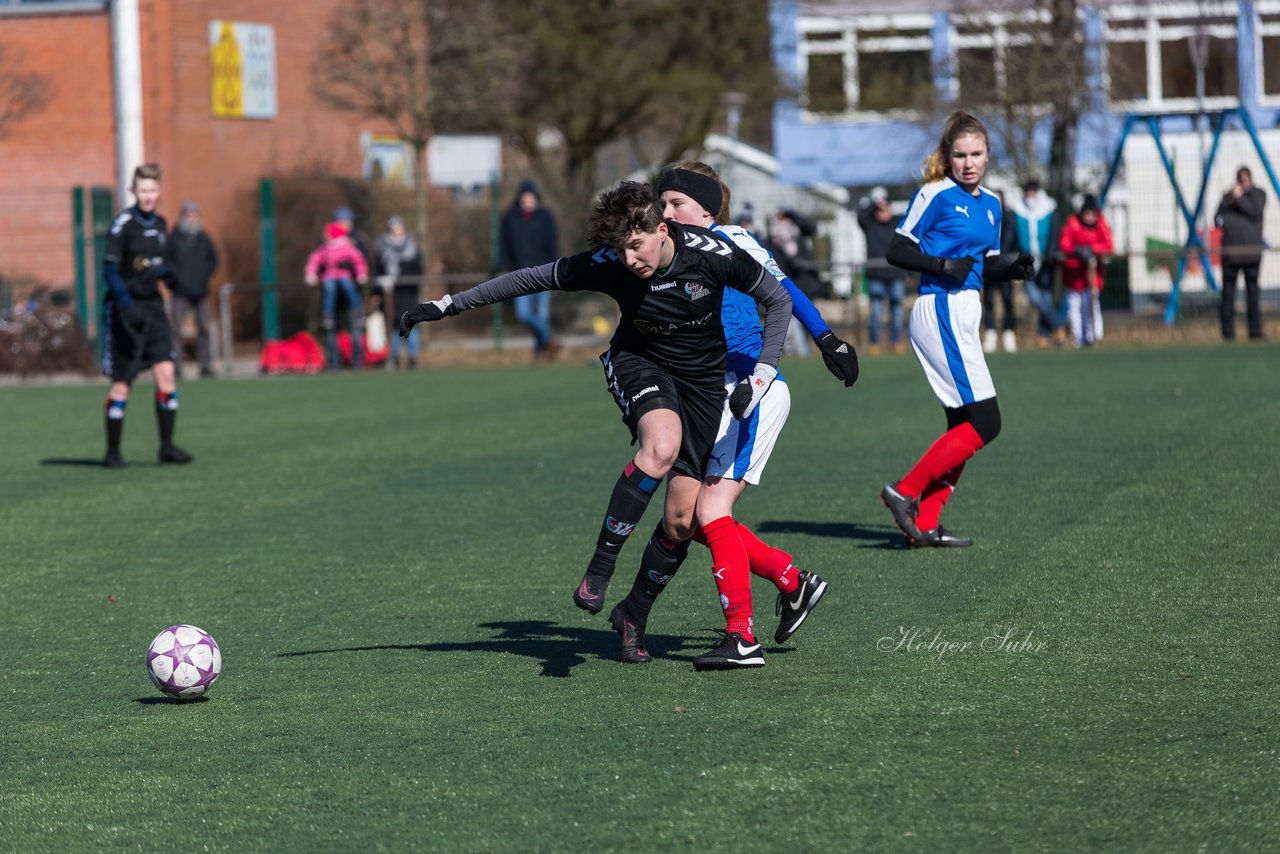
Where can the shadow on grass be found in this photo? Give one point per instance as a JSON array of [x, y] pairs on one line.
[[877, 536], [94, 462], [558, 648], [171, 701]]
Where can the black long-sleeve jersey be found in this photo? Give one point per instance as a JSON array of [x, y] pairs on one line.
[[137, 246], [672, 318]]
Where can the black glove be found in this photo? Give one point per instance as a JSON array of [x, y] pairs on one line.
[[956, 268], [434, 310], [1025, 267], [747, 394], [840, 357], [1085, 254]]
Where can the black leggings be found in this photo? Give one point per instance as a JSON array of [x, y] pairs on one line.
[[984, 415]]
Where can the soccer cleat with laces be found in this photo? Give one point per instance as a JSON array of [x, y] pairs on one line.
[[793, 607], [940, 537], [173, 454], [590, 593], [732, 652], [632, 634], [904, 510]]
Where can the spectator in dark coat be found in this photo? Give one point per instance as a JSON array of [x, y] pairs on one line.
[[192, 260], [1240, 218], [528, 238], [884, 281]]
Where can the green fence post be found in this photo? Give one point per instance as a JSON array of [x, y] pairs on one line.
[[267, 273], [102, 210], [77, 257], [495, 257]]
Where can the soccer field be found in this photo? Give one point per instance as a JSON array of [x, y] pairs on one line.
[[387, 560]]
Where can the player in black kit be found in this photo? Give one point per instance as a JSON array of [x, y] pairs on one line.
[[665, 367], [137, 330]]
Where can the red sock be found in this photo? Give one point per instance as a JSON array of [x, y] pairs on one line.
[[950, 450], [729, 565], [768, 562], [935, 496]]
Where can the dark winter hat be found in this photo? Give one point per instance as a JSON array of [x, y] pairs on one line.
[[1031, 185], [528, 186], [1090, 203], [701, 188]]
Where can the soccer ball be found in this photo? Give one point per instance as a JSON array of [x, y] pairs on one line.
[[184, 661]]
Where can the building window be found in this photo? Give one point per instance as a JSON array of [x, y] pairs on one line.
[[1178, 67], [825, 84], [894, 80]]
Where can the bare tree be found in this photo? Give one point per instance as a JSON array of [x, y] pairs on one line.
[[559, 81], [376, 62], [22, 92], [1033, 73]]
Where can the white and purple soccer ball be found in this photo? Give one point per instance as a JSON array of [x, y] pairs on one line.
[[184, 661]]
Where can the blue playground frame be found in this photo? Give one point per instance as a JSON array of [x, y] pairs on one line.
[[1194, 240]]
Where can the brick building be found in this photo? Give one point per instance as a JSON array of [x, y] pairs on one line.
[[217, 161]]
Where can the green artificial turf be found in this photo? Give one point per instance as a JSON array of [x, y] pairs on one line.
[[386, 561]]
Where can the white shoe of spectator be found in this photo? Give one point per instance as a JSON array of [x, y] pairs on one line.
[[1009, 341], [989, 341]]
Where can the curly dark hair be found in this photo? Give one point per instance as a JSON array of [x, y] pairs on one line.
[[622, 210]]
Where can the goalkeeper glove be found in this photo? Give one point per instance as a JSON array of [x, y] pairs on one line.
[[434, 310], [840, 357], [955, 268], [746, 395]]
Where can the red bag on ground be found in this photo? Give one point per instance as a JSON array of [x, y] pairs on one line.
[[298, 354]]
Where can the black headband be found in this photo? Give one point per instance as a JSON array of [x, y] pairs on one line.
[[701, 188]]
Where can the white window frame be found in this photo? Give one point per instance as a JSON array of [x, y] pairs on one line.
[[1173, 22]]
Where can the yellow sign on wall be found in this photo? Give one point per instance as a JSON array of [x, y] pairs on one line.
[[242, 70]]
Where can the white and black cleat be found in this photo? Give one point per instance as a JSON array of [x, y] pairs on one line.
[[732, 652]]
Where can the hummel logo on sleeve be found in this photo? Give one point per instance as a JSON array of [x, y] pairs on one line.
[[604, 255]]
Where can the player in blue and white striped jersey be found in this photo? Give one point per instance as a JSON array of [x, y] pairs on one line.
[[951, 237], [692, 194]]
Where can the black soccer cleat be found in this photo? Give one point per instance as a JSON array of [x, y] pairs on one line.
[[904, 510], [793, 607], [940, 537], [173, 454], [632, 634], [590, 593], [733, 652], [113, 460]]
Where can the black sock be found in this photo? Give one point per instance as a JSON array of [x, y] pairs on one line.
[[115, 423], [662, 557], [166, 415], [630, 497]]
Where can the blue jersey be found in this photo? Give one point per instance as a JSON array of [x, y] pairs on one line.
[[945, 221], [740, 314]]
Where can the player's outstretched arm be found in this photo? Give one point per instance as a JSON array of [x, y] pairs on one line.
[[777, 314], [517, 283]]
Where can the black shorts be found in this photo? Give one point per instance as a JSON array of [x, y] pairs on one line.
[[126, 350], [639, 386]]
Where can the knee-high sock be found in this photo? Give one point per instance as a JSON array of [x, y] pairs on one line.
[[935, 496], [115, 423], [658, 565], [630, 497], [730, 567], [950, 450], [769, 562], [166, 415]]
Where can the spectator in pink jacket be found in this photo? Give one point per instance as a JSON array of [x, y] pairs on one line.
[[338, 265], [1085, 244]]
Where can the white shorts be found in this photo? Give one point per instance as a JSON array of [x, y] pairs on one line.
[[743, 447], [945, 335]]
